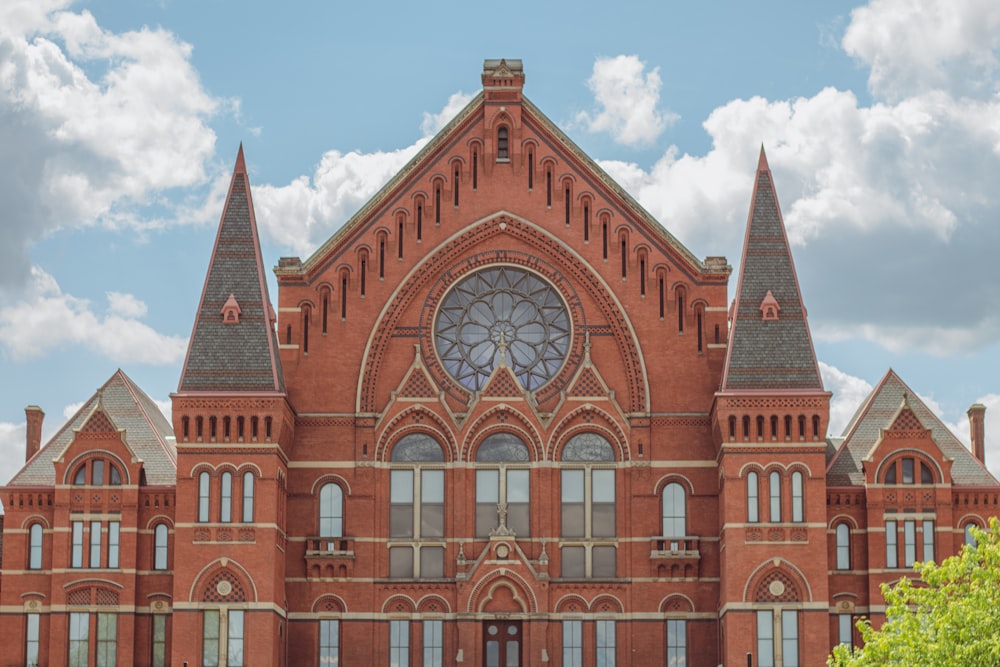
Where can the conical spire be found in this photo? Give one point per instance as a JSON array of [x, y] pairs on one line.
[[769, 344], [226, 355]]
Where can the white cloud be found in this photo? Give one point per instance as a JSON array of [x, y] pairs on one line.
[[628, 99], [11, 449], [848, 394], [48, 318], [912, 47], [307, 211], [82, 150]]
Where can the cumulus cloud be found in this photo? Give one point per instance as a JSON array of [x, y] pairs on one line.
[[47, 318], [848, 394], [307, 211], [914, 47], [11, 449], [83, 149], [628, 98]]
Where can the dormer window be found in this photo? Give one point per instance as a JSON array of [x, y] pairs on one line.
[[503, 152], [905, 470], [231, 311], [769, 307]]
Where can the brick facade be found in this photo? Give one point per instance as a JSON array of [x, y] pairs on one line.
[[501, 414]]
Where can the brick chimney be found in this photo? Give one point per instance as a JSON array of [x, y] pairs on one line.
[[33, 437], [977, 434]]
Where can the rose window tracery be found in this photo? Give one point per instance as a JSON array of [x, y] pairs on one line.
[[502, 314]]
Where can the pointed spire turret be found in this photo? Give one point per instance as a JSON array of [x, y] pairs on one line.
[[776, 351], [242, 355]]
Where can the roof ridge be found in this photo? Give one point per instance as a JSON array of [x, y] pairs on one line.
[[141, 399]]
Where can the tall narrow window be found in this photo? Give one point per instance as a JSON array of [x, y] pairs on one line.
[[31, 640], [114, 538], [624, 258], [234, 639], [97, 472], [907, 471], [604, 239], [331, 511], [433, 644], [588, 507], [909, 543], [676, 642], [548, 188], [788, 427], [674, 513], [79, 639], [605, 631], [329, 642], [475, 170], [399, 240], [680, 313], [928, 543], [566, 199], [420, 222], [381, 258], [399, 643], [247, 515], [798, 513], [210, 638], [364, 274], [843, 546], [326, 308], [642, 276], [572, 643], [95, 544], [416, 510], [699, 317], [753, 497], [765, 638], [663, 293], [160, 535], [35, 547], [586, 223], [531, 170], [891, 548], [305, 346], [456, 182], [343, 297], [437, 205], [203, 489], [503, 152], [76, 557], [226, 504], [789, 638], [774, 488], [159, 642], [107, 640]]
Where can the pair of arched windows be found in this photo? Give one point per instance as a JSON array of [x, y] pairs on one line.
[[226, 497], [775, 505]]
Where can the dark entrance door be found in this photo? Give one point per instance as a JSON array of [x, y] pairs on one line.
[[502, 644]]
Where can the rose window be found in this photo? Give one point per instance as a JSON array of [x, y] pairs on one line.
[[502, 313]]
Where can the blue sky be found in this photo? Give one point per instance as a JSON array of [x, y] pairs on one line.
[[120, 122]]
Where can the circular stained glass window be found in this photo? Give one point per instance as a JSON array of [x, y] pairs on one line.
[[502, 312]]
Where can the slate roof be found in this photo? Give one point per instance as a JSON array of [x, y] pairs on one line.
[[147, 433], [234, 357], [878, 412], [776, 354]]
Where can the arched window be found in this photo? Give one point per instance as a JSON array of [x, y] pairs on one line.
[[774, 489], [753, 497], [331, 511], [203, 491], [247, 515], [503, 480], [843, 546], [80, 478], [226, 505], [416, 507], [503, 152], [160, 534], [970, 539], [798, 514], [35, 547], [588, 506], [674, 512]]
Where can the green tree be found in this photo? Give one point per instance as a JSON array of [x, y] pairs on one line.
[[949, 616]]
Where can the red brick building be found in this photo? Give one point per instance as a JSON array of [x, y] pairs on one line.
[[502, 417]]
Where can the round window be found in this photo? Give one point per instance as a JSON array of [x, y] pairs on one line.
[[502, 312]]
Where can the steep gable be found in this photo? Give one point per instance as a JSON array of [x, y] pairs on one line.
[[882, 411], [233, 346], [118, 405], [770, 346]]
